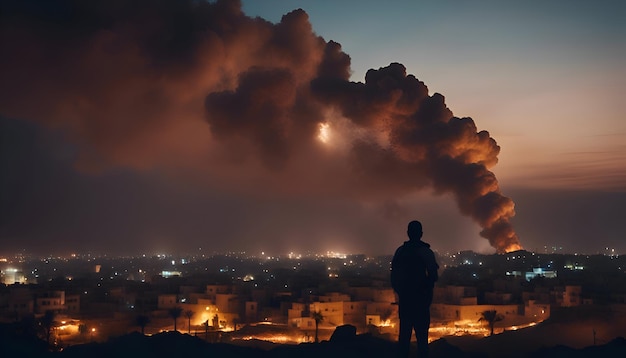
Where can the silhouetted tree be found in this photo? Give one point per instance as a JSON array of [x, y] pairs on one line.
[[47, 323], [29, 326], [83, 329], [318, 317], [491, 317], [189, 314], [142, 321], [175, 312]]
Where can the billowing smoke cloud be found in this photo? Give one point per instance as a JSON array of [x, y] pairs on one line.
[[201, 87]]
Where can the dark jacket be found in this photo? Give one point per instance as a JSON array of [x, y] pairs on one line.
[[413, 269]]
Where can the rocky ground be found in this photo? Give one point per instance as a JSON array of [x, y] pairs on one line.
[[580, 332], [347, 344]]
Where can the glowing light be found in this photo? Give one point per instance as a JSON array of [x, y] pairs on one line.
[[324, 132], [167, 274], [335, 255], [387, 323], [513, 247]]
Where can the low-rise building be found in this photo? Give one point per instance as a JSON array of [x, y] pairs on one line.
[[50, 301]]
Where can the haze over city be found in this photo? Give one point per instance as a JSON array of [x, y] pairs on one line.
[[311, 125]]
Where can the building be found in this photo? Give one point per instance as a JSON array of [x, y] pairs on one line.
[[167, 301], [20, 301], [50, 301], [455, 295], [72, 304], [539, 272]]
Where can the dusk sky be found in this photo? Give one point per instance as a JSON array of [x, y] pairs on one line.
[[278, 126]]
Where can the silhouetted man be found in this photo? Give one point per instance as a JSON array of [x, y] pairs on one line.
[[413, 276]]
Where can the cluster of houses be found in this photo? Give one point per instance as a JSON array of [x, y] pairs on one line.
[[224, 307]]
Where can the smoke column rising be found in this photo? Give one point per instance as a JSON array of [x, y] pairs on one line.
[[142, 84]]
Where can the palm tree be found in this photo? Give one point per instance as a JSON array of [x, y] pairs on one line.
[[83, 330], [47, 323], [491, 317], [189, 314], [318, 317], [142, 321], [175, 312]]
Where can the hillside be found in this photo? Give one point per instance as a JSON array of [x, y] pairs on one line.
[[174, 344]]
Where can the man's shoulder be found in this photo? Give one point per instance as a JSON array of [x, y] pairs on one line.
[[415, 245], [401, 248], [413, 249], [424, 244]]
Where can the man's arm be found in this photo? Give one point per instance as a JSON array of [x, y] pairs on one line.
[[432, 268], [395, 271]]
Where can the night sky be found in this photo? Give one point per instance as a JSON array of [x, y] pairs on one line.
[[177, 126]]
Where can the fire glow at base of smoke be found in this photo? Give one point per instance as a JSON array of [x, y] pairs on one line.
[[513, 248]]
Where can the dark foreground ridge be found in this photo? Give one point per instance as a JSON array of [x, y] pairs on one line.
[[173, 344]]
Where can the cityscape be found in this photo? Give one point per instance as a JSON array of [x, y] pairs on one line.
[[238, 297]]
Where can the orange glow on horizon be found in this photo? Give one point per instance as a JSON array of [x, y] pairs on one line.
[[513, 247]]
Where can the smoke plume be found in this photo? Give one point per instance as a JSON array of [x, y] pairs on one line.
[[201, 87]]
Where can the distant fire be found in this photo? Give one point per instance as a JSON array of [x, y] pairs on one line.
[[387, 323], [470, 328], [279, 338], [513, 247], [458, 328], [436, 331]]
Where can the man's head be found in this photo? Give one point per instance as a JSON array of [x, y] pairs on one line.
[[414, 230]]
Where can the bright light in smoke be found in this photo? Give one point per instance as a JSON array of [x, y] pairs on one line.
[[324, 133], [513, 247]]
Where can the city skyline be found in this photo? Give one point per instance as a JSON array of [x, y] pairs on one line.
[[114, 141]]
